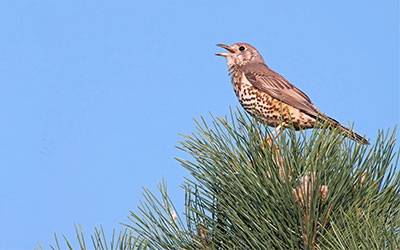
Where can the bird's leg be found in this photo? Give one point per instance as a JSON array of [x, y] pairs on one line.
[[270, 140], [278, 157], [276, 131]]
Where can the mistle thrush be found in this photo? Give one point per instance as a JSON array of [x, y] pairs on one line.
[[269, 97]]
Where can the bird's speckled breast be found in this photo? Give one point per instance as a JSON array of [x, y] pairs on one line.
[[262, 106]]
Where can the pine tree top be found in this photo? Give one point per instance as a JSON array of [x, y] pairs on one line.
[[304, 190]]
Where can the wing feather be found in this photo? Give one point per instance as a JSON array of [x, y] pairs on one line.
[[270, 82]]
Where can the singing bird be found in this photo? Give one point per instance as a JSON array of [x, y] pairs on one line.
[[271, 98]]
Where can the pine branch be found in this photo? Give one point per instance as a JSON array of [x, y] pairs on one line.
[[247, 194], [305, 190], [125, 240]]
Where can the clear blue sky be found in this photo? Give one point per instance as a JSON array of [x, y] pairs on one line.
[[94, 93]]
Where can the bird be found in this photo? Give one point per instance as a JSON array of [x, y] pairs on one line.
[[269, 97]]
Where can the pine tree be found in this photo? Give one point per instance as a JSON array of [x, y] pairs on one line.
[[304, 190]]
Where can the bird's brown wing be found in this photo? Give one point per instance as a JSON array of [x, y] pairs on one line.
[[273, 84]]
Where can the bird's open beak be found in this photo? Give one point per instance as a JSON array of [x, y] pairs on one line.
[[225, 47]]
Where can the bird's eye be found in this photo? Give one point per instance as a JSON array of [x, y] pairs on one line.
[[241, 48]]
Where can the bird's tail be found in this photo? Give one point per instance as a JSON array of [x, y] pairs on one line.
[[349, 133]]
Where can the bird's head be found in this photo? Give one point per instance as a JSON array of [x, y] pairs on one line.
[[240, 54]]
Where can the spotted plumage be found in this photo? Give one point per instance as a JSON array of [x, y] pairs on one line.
[[268, 96]]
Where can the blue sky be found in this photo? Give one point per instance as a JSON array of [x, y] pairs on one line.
[[94, 93]]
